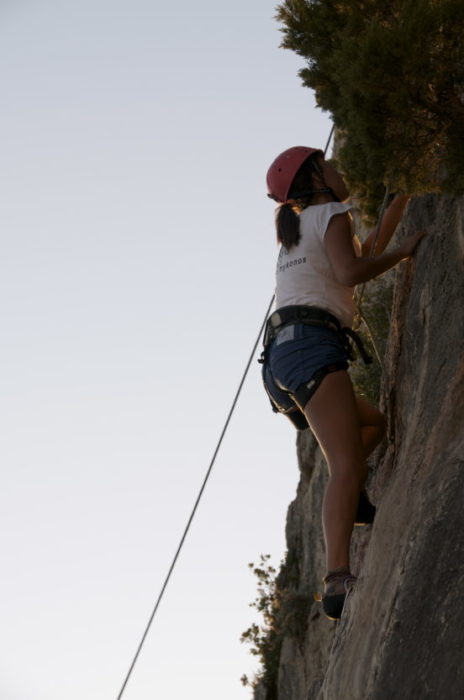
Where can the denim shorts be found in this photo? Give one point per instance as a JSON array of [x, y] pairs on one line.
[[296, 361]]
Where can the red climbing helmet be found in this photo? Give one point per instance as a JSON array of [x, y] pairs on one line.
[[282, 171]]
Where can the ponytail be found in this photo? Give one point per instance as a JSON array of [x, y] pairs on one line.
[[288, 225]]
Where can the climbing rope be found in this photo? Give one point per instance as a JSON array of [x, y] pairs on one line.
[[192, 514], [329, 139], [360, 316]]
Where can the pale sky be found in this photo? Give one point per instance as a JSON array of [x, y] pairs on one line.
[[137, 262]]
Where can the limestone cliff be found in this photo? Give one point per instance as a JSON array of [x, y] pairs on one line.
[[402, 631]]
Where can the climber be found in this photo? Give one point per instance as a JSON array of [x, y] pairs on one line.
[[307, 346]]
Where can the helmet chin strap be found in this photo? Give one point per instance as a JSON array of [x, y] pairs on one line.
[[322, 190], [337, 199], [326, 190], [293, 200]]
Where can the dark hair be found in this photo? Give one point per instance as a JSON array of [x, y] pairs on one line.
[[301, 193]]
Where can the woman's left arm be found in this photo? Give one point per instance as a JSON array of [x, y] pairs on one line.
[[388, 225]]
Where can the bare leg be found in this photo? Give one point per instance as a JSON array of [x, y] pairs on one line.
[[335, 420]]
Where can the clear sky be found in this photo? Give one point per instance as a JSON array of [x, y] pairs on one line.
[[137, 262]]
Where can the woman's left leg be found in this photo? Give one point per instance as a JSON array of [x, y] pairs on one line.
[[333, 415]]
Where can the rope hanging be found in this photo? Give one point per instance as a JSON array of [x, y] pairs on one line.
[[329, 140], [360, 315], [192, 514]]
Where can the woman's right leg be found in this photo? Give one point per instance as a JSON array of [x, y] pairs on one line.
[[332, 413]]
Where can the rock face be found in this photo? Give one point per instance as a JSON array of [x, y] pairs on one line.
[[402, 630]]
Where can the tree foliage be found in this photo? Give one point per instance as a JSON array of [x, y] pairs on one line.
[[265, 641], [392, 75], [284, 610]]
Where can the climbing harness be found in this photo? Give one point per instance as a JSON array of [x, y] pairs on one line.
[[311, 316], [314, 316]]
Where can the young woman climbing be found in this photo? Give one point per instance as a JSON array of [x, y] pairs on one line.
[[307, 342]]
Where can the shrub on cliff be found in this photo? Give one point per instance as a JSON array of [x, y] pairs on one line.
[[284, 612], [265, 640], [392, 75]]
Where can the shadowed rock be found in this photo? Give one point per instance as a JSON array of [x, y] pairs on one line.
[[402, 631]]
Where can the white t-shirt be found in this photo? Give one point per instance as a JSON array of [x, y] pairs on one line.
[[304, 275]]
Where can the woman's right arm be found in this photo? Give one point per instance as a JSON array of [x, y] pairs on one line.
[[351, 270]]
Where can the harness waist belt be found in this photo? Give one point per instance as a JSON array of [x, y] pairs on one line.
[[313, 316]]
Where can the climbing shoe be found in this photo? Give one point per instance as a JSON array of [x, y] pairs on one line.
[[337, 584], [366, 511]]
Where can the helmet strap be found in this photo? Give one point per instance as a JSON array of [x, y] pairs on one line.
[[304, 195]]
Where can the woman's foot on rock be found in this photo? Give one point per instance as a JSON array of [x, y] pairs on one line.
[[337, 583]]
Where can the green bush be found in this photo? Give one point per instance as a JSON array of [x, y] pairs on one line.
[[284, 612], [266, 640], [392, 75]]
